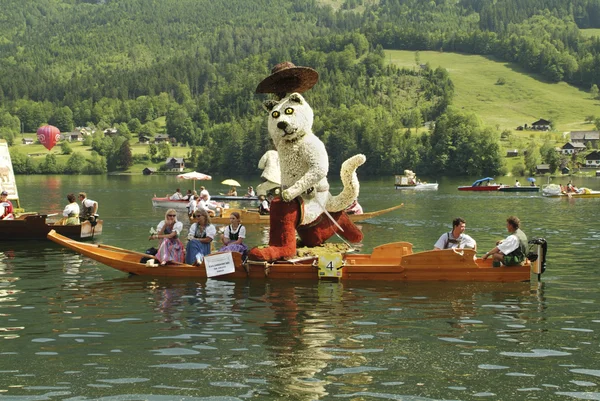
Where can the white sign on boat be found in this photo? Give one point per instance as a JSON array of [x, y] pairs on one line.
[[219, 264]]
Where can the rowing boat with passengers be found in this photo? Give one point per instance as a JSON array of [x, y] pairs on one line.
[[390, 262]]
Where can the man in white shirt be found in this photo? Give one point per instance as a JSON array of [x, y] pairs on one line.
[[177, 195], [456, 238]]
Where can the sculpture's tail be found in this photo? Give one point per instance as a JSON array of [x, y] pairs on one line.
[[351, 186]]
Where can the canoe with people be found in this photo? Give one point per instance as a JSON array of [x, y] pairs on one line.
[[16, 224], [389, 262]]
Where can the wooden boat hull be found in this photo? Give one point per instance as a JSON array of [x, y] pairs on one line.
[[233, 198], [35, 227], [387, 262], [253, 217], [419, 187], [519, 189]]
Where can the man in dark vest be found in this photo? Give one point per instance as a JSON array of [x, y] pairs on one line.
[[513, 250]]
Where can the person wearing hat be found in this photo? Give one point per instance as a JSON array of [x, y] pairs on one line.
[[7, 207]]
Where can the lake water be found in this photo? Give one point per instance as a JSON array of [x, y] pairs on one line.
[[73, 329]]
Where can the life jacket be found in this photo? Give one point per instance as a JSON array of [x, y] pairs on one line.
[[521, 250]]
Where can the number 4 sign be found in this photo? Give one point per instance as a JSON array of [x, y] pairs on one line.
[[330, 265]]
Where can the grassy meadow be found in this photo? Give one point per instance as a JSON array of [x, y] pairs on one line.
[[522, 99], [590, 32], [38, 152]]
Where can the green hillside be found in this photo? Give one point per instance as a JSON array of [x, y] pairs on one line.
[[522, 99]]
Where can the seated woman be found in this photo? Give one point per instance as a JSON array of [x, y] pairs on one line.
[[71, 212], [169, 230], [232, 192], [199, 238], [233, 237]]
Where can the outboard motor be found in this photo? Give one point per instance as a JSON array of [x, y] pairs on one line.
[[538, 248]]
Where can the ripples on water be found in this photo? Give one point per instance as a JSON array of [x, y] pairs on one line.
[[72, 329]]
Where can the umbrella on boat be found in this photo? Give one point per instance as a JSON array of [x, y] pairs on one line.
[[231, 183], [195, 176], [531, 179]]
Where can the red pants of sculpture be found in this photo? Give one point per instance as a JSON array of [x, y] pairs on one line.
[[284, 220]]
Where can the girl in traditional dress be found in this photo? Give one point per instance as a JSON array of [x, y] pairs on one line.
[[171, 248], [200, 237], [233, 237]]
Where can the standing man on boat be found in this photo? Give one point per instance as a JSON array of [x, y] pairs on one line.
[[512, 250], [89, 208], [7, 207], [456, 238]]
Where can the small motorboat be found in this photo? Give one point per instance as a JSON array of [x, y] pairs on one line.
[[484, 184], [390, 262], [409, 181], [420, 186]]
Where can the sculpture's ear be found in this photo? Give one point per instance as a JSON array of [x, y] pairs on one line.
[[296, 97], [269, 104]]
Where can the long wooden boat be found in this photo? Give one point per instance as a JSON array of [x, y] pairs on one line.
[[484, 184], [253, 217], [508, 188], [394, 261], [233, 198], [33, 226]]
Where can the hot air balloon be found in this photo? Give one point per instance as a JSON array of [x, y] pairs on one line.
[[48, 135]]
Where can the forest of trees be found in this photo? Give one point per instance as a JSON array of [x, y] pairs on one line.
[[125, 63]]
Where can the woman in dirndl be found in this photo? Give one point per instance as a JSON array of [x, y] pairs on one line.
[[233, 237], [169, 230], [200, 238]]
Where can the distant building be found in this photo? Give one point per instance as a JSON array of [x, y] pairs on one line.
[[512, 153], [570, 148], [585, 137], [144, 139], [541, 125], [542, 168], [175, 164], [592, 159], [149, 171], [27, 141], [161, 138], [111, 131]]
